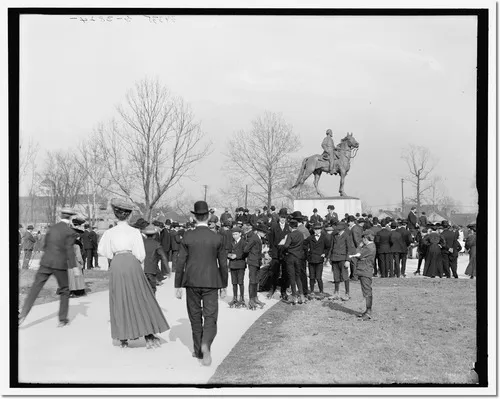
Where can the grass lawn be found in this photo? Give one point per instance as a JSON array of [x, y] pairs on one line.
[[95, 281], [423, 331]]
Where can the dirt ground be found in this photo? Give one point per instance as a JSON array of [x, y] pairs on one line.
[[423, 331]]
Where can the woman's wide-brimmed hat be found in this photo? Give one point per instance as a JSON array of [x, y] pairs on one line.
[[200, 208], [150, 229], [122, 204]]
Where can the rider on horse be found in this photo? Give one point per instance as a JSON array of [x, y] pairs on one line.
[[329, 150]]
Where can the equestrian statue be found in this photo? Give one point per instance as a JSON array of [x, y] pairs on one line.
[[334, 160]]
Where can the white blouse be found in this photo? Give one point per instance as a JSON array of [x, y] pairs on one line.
[[122, 237]]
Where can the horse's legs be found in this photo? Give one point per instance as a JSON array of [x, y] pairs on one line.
[[317, 175], [341, 188]]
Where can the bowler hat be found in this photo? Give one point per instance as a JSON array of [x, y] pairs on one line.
[[30, 227], [246, 210], [297, 215], [394, 225], [317, 226], [261, 227], [445, 224], [283, 212], [330, 207], [340, 226], [293, 223], [175, 224], [68, 211], [315, 210], [273, 208], [351, 218], [121, 204], [200, 208]]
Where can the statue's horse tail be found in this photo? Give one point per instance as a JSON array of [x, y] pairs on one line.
[[300, 180]]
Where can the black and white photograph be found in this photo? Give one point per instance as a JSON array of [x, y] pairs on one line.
[[252, 197]]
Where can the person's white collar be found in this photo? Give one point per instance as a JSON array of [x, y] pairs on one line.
[[198, 224], [67, 221]]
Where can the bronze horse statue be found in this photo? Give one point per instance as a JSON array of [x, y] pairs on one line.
[[316, 164]]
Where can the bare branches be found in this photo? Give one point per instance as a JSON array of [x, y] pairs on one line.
[[153, 145], [420, 165], [28, 153], [262, 154]]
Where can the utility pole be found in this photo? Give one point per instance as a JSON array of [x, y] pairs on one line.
[[205, 192], [246, 195], [402, 197]]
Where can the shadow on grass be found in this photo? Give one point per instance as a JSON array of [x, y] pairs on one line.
[[337, 306]]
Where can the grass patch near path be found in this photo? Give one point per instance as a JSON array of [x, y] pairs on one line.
[[423, 331], [95, 281]]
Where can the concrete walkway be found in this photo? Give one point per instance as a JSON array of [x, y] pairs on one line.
[[84, 352]]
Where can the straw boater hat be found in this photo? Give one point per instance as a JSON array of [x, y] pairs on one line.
[[122, 204], [150, 229]]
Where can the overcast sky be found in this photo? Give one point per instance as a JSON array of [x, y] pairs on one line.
[[391, 81]]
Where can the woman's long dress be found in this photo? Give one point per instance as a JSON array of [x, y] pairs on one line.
[[134, 311], [470, 244], [77, 283], [433, 260]]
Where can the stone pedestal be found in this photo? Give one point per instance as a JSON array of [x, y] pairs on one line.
[[343, 205]]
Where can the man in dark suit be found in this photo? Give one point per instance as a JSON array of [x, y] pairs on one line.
[[315, 217], [356, 232], [422, 220], [277, 232], [383, 244], [407, 239], [202, 269], [375, 228], [253, 252], [412, 220], [342, 247], [331, 217], [226, 216], [449, 252], [28, 245], [397, 247], [57, 257]]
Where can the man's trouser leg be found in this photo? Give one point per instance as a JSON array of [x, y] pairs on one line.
[[453, 264], [62, 282], [96, 257], [89, 258], [275, 273], [397, 272], [303, 277], [402, 257], [446, 263], [27, 258], [352, 266], [41, 277], [292, 275]]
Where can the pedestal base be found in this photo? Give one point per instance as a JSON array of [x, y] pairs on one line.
[[343, 205]]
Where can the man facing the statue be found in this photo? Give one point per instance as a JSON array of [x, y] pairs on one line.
[[329, 150]]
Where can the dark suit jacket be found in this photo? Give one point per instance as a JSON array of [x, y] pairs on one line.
[[225, 217], [165, 240], [28, 241], [397, 243], [422, 220], [85, 238], [356, 233], [412, 221], [450, 237], [333, 217], [238, 250], [316, 248], [154, 252], [174, 240], [382, 241], [58, 247], [93, 239], [227, 236], [294, 244], [406, 238], [202, 260], [342, 247], [253, 249], [274, 236]]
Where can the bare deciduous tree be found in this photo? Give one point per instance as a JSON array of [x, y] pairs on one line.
[[28, 153], [420, 165], [63, 181], [89, 158], [155, 142], [436, 192], [261, 155]]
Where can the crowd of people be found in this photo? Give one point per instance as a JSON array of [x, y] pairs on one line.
[[280, 249]]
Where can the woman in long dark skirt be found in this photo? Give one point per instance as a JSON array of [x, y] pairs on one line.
[[470, 245], [133, 307], [433, 261]]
